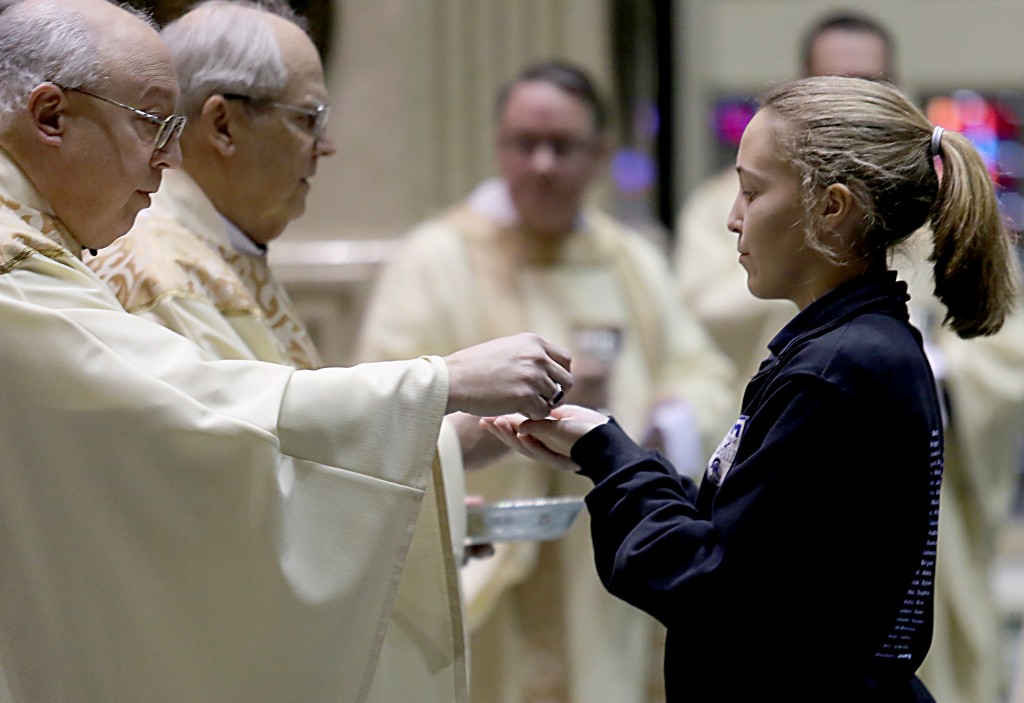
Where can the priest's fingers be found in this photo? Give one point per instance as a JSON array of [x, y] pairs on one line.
[[538, 405], [560, 372], [522, 373]]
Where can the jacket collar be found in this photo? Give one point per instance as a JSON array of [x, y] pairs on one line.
[[879, 291]]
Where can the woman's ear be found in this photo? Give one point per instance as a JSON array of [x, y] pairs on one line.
[[841, 213]]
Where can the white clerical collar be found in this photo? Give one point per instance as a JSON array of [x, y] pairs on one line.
[[240, 241], [493, 200]]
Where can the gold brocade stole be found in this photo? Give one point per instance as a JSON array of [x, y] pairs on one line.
[[498, 253], [55, 242], [275, 304]]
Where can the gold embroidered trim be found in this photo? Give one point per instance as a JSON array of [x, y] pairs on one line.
[[16, 261], [47, 237], [182, 293], [55, 253]]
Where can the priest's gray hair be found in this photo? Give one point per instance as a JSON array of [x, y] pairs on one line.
[[35, 47], [223, 47], [49, 43]]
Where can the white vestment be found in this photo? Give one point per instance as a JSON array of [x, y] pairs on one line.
[[177, 266], [179, 528]]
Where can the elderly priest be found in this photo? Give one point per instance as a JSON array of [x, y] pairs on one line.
[[179, 528]]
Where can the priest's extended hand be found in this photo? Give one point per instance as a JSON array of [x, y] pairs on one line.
[[522, 373]]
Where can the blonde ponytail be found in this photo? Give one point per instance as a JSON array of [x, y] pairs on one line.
[[972, 250]]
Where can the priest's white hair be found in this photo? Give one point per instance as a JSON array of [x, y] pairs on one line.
[[38, 46], [47, 43], [222, 47]]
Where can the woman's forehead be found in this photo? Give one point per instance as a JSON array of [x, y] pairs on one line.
[[759, 146]]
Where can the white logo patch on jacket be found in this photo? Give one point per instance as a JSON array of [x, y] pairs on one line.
[[722, 460]]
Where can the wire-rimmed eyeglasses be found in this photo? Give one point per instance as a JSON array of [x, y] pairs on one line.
[[168, 127], [317, 116]]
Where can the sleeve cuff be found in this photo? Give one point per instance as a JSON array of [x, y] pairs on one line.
[[604, 449]]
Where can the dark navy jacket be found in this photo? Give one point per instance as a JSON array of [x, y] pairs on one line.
[[802, 569]]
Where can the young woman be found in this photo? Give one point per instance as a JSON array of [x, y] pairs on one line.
[[802, 568]]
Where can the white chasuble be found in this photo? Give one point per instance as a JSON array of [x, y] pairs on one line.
[[178, 528]]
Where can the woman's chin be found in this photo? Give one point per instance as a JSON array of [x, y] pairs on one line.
[[761, 292]]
